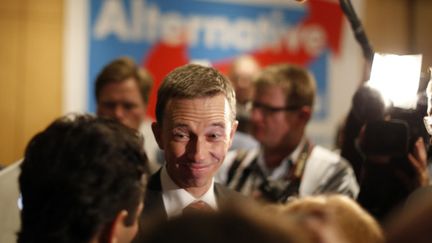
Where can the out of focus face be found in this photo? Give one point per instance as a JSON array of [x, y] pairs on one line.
[[195, 136], [272, 125], [428, 118], [243, 84], [242, 77], [123, 102]]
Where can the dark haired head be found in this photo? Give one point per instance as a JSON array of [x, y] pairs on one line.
[[77, 175]]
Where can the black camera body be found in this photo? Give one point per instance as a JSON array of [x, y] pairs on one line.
[[279, 191], [395, 137], [385, 138]]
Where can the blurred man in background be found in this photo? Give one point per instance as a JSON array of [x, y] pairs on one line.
[[122, 92], [243, 72], [286, 164]]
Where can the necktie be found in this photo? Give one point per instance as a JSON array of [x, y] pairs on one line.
[[197, 207]]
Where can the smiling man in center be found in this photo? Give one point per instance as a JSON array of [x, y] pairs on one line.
[[195, 124]]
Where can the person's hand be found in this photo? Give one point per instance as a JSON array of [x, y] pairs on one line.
[[418, 159]]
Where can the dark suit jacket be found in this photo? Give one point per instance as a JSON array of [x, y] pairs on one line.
[[154, 208], [153, 202]]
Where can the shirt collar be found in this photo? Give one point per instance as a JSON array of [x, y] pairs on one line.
[[176, 198], [280, 171]]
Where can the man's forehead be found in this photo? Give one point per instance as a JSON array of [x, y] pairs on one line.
[[126, 89], [272, 91], [217, 102], [185, 124], [214, 108]]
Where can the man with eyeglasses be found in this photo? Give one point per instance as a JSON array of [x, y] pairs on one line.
[[287, 164]]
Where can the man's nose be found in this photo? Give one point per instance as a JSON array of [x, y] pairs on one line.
[[119, 113], [256, 114], [244, 82], [197, 149]]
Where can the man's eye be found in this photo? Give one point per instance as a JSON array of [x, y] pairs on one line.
[[181, 136], [109, 105], [215, 136], [129, 106]]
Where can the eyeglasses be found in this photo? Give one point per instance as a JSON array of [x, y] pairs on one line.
[[427, 120], [268, 109]]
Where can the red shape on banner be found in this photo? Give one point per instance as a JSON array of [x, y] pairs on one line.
[[325, 14], [161, 60], [329, 16]]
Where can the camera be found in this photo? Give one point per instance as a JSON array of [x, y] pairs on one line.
[[394, 137], [385, 138], [278, 190]]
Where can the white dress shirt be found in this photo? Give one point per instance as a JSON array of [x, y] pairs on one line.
[[175, 199]]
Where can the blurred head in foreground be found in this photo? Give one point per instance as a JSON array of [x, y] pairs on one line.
[[413, 223], [229, 225], [333, 218], [82, 181]]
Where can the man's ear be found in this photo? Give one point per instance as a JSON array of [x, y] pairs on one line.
[[118, 228], [305, 114], [233, 131], [119, 231], [157, 132]]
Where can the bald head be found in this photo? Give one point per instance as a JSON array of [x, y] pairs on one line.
[[242, 74]]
